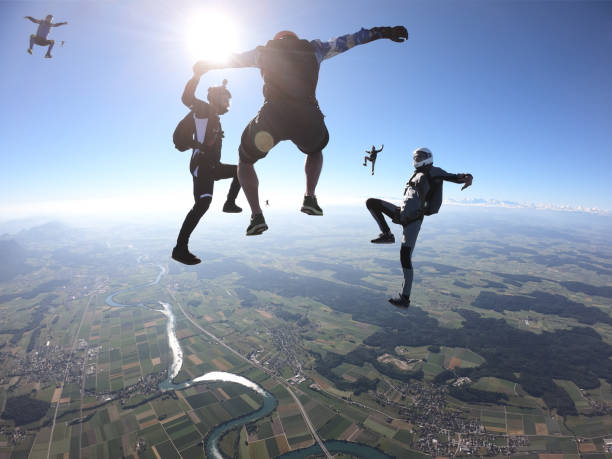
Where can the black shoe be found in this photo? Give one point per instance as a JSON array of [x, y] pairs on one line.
[[29, 51], [48, 56], [231, 208], [384, 238], [183, 255], [310, 206], [257, 225], [401, 301]]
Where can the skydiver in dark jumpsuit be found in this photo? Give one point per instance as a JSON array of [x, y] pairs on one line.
[[372, 154], [419, 200], [205, 165], [290, 70]]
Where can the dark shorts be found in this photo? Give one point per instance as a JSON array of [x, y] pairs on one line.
[[277, 120], [204, 177], [40, 41]]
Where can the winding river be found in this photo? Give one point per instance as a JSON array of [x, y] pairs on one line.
[[268, 406], [212, 440]]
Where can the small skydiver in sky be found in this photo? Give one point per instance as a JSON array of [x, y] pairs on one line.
[[290, 70], [372, 154], [44, 27], [267, 203], [205, 165], [422, 196]]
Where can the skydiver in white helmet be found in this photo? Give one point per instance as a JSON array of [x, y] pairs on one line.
[[40, 38], [422, 196]]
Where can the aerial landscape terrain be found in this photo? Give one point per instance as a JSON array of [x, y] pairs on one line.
[[506, 349]]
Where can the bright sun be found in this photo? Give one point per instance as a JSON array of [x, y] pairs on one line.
[[211, 35]]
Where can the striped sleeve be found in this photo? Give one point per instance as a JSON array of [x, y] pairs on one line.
[[331, 48]]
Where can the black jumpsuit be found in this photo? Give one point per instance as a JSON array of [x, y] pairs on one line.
[[205, 165]]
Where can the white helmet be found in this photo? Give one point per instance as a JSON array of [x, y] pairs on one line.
[[422, 157]]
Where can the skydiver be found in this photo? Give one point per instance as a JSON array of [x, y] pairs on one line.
[[205, 165], [290, 70], [44, 27], [372, 154], [422, 196]]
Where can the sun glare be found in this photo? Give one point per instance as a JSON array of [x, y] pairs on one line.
[[211, 35]]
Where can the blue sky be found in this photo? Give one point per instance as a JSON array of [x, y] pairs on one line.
[[517, 93]]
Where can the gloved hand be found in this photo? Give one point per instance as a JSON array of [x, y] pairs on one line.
[[467, 180], [397, 34]]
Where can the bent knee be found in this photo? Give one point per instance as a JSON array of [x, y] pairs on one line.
[[250, 154], [203, 203]]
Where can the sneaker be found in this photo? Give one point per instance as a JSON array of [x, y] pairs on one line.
[[384, 238], [48, 56], [401, 301], [29, 51], [231, 208], [310, 206], [257, 225], [183, 255]]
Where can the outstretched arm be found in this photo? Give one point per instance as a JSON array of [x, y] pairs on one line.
[[59, 24], [381, 148], [331, 48], [438, 173], [246, 59], [35, 21]]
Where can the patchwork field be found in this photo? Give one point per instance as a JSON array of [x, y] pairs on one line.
[[312, 312]]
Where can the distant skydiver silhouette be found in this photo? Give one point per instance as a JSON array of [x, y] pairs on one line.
[[267, 203], [205, 165], [422, 196], [44, 27], [372, 154], [290, 70]]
